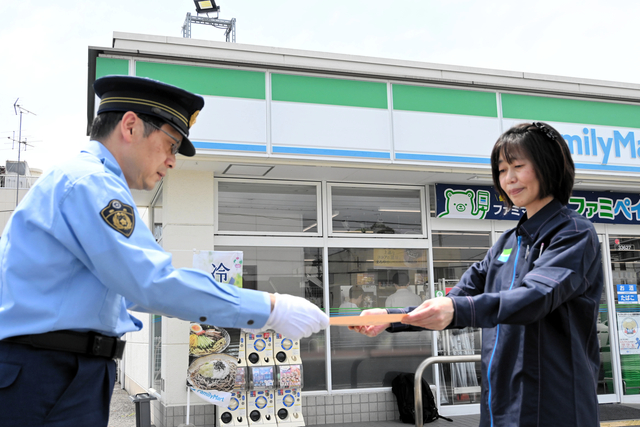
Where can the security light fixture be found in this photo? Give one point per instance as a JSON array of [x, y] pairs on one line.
[[203, 8], [206, 6]]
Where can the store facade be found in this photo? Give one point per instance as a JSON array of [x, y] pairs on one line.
[[332, 172]]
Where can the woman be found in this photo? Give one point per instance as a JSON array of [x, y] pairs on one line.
[[536, 293]]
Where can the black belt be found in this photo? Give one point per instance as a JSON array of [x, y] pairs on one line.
[[89, 343]]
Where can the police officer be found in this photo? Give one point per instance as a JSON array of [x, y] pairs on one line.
[[75, 256]]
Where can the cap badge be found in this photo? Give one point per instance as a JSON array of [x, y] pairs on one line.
[[120, 217], [192, 120]]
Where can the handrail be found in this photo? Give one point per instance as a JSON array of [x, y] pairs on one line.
[[417, 381]]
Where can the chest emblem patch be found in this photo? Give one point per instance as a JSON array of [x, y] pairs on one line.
[[120, 217], [504, 257]]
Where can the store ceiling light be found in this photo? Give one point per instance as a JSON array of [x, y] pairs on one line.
[[480, 178], [206, 6], [247, 170], [315, 224], [608, 185]]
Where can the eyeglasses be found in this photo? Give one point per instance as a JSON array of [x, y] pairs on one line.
[[174, 147]]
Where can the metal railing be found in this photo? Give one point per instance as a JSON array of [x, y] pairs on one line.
[[417, 381], [10, 181]]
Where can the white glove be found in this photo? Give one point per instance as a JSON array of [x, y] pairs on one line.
[[295, 317]]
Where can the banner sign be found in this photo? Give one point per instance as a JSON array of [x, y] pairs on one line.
[[483, 202], [629, 337], [213, 363], [214, 352], [224, 266], [627, 294], [472, 202], [399, 258]]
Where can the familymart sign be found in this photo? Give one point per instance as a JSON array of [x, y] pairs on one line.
[[483, 202], [268, 113]]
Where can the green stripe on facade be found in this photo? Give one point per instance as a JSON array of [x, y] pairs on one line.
[[448, 101], [322, 90], [207, 81], [110, 66], [528, 107]]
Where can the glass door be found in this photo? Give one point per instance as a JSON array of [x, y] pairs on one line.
[[453, 253], [606, 330], [625, 272]]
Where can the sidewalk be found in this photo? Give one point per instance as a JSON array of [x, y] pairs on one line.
[[123, 410], [473, 420], [123, 414]]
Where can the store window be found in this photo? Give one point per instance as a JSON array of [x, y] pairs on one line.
[[247, 206], [362, 278], [155, 331], [366, 210], [293, 271], [453, 253], [156, 352], [625, 270]]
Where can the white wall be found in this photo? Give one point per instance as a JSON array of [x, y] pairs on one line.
[[8, 203], [188, 225]]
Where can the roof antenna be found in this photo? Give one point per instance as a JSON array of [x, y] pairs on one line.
[[17, 107]]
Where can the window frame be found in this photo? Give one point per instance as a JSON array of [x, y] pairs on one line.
[[329, 211], [319, 211]]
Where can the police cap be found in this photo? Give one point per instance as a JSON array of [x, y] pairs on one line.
[[176, 106]]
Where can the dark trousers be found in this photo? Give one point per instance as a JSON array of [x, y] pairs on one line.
[[47, 388]]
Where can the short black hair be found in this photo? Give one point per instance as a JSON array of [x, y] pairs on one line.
[[105, 123], [545, 147], [355, 292], [400, 278]]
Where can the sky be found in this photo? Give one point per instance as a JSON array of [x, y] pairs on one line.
[[44, 46]]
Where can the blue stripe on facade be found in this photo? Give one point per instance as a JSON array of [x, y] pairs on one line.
[[610, 168], [232, 147], [258, 148], [331, 152], [438, 158]]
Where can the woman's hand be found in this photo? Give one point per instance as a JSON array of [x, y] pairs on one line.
[[371, 330], [435, 314]]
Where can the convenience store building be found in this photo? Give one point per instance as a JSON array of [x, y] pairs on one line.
[[332, 171]]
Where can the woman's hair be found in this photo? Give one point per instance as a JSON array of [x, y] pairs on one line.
[[546, 149]]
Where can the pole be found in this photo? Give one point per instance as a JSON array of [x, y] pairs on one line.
[[188, 403], [18, 170], [17, 107]]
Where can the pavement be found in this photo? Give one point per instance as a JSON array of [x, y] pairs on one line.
[[123, 410], [123, 414]]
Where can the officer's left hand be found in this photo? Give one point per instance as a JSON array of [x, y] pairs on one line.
[[435, 314]]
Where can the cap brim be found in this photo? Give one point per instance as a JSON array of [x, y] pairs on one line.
[[187, 148]]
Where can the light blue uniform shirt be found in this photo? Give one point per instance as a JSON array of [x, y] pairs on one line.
[[66, 261]]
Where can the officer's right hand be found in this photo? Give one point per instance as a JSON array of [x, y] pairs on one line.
[[295, 317]]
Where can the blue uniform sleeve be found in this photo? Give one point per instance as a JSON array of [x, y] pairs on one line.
[[567, 268], [473, 280], [126, 259], [471, 283]]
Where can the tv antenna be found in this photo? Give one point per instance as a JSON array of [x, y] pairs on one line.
[[17, 107], [203, 8]]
